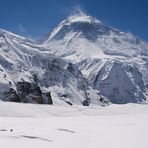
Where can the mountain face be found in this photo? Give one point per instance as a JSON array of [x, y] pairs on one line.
[[76, 33], [30, 73], [81, 62], [113, 62]]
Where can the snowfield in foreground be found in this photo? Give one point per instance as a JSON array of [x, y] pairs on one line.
[[44, 126]]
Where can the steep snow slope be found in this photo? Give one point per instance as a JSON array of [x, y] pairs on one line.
[[30, 73], [119, 81], [113, 62], [85, 37]]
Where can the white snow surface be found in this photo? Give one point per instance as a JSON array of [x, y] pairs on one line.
[[124, 126]]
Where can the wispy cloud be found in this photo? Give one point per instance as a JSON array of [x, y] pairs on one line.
[[22, 29], [77, 10]]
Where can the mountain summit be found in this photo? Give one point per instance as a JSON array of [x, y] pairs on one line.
[[81, 26], [81, 36]]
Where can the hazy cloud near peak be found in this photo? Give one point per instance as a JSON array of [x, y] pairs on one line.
[[77, 11], [22, 29]]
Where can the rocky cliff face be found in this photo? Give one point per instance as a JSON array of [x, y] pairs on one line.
[[113, 82], [31, 93]]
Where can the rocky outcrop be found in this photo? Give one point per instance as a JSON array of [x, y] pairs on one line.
[[10, 95], [47, 99], [31, 93]]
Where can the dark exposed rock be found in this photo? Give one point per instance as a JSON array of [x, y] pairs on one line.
[[47, 98], [11, 95], [85, 103], [23, 89], [69, 103], [31, 93], [70, 67], [64, 95]]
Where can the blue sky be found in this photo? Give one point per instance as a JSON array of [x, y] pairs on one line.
[[35, 18]]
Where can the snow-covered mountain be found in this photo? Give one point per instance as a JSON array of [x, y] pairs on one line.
[[81, 62], [81, 37], [30, 73], [113, 62]]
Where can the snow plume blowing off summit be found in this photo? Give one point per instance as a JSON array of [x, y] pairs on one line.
[[82, 62]]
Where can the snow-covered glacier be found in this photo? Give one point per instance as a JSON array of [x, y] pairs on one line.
[[81, 62]]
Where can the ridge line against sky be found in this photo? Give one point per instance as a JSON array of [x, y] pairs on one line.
[[36, 18]]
